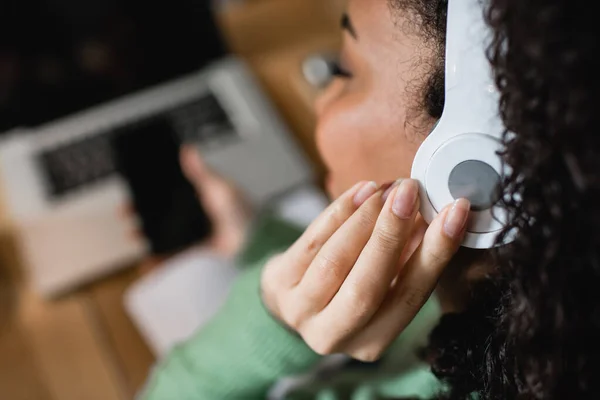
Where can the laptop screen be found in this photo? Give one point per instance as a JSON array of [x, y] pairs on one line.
[[58, 57]]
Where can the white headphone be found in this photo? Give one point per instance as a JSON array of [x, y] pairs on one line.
[[459, 158]]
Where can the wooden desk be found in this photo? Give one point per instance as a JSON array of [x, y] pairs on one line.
[[84, 346]]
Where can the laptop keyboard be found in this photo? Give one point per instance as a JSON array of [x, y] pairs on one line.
[[89, 160], [203, 121], [77, 164]]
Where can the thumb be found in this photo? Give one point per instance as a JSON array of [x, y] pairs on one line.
[[222, 202], [218, 196], [194, 168]]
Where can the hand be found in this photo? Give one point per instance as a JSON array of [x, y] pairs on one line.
[[363, 270], [228, 211]]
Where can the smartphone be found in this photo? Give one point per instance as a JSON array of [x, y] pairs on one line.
[[147, 156]]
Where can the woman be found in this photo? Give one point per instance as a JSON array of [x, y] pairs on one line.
[[354, 281], [532, 331], [535, 334]]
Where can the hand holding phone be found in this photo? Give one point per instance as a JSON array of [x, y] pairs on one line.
[[147, 156]]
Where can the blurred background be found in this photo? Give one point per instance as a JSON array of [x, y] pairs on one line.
[[96, 99]]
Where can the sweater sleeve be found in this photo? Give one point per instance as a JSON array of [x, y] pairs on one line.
[[240, 353]]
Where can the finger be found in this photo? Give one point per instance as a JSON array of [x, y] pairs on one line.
[[199, 174], [416, 238], [303, 251], [441, 242], [192, 165], [366, 286], [332, 264], [219, 197], [128, 214], [136, 235], [418, 280], [126, 211]]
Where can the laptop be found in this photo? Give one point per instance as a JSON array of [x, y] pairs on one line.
[[103, 69]]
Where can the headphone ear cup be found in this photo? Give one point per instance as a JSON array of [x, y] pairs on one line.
[[463, 166]]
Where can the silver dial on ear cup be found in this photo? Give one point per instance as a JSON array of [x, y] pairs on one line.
[[476, 181]]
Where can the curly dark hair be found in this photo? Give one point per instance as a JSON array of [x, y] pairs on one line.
[[533, 329], [427, 18]]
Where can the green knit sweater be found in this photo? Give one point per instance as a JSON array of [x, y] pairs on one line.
[[244, 354]]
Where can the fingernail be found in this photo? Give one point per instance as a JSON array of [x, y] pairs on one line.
[[456, 220], [406, 199], [365, 193], [390, 188]]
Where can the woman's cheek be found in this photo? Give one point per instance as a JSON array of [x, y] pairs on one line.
[[334, 138], [329, 96]]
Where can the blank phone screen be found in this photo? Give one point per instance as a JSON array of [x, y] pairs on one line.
[[147, 156]]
